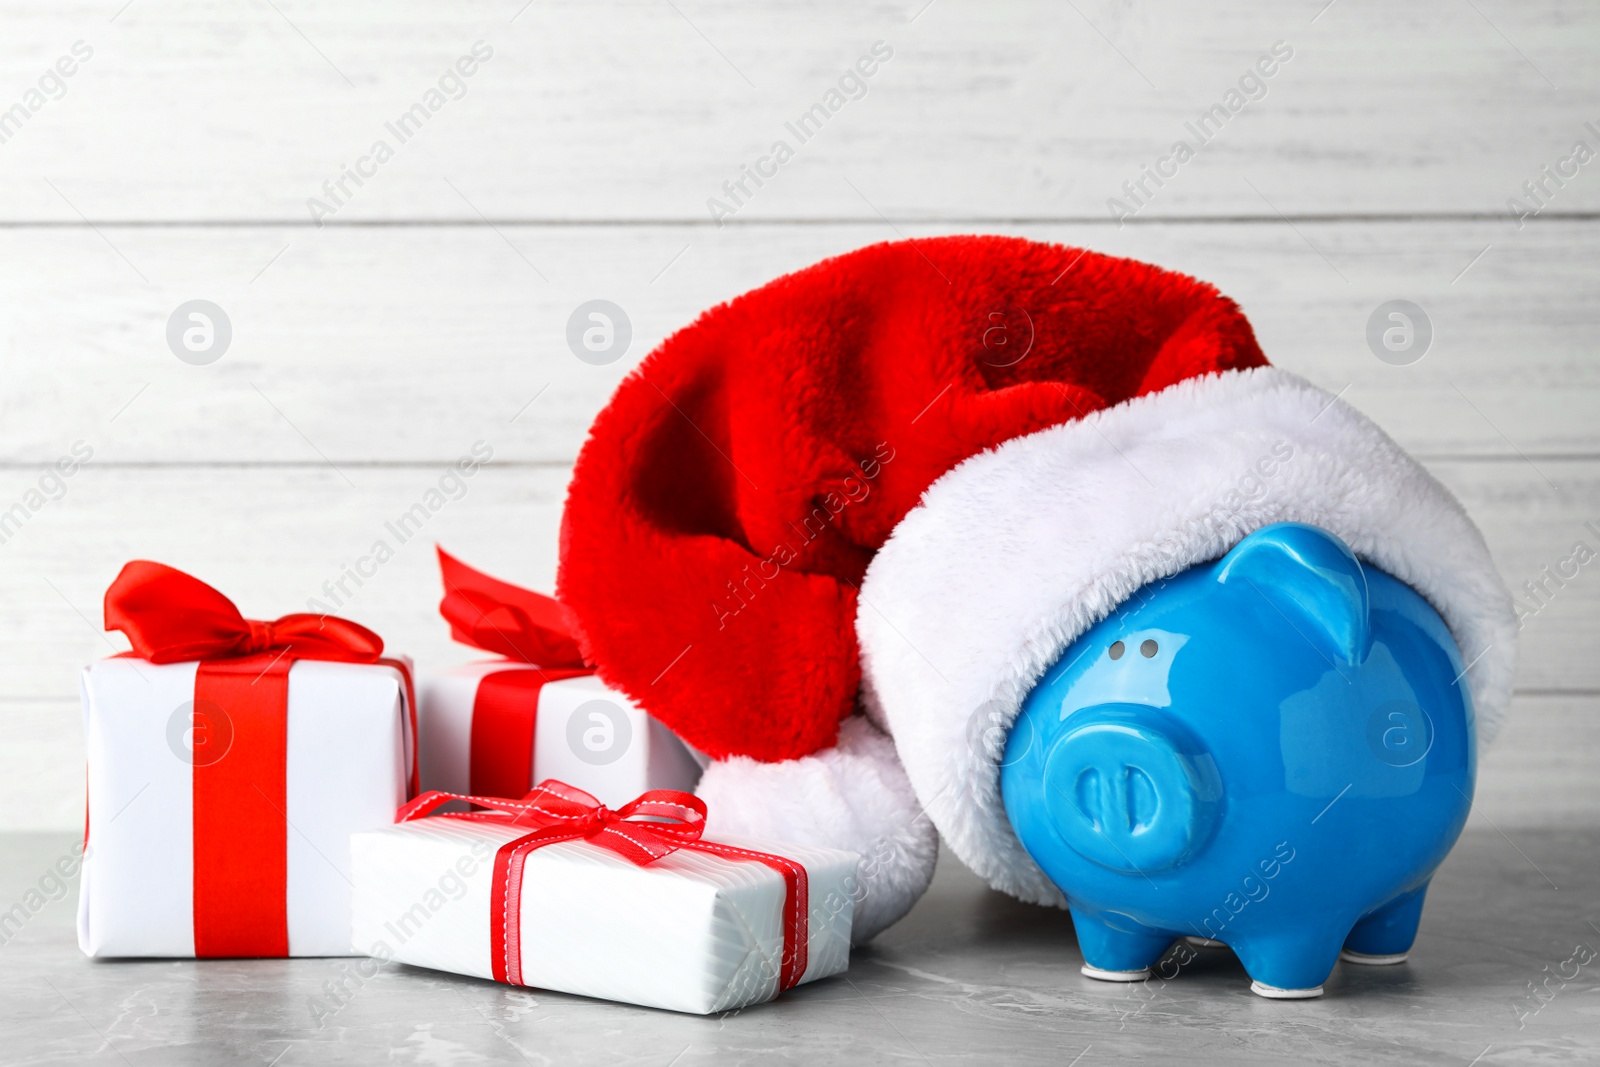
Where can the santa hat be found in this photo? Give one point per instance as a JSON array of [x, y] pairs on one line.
[[903, 480]]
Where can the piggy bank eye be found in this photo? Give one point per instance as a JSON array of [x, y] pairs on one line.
[[1117, 649], [1149, 649]]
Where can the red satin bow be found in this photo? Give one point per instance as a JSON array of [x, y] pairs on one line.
[[500, 617], [172, 617], [564, 813]]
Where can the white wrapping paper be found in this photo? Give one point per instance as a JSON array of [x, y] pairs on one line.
[[612, 750], [346, 771], [691, 932]]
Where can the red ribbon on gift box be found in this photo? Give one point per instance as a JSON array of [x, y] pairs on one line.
[[240, 826], [521, 625], [655, 824]]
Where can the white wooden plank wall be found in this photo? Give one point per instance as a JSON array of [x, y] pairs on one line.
[[428, 311]]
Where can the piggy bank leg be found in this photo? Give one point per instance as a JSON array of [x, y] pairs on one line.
[[1289, 966], [1386, 935], [1117, 953]]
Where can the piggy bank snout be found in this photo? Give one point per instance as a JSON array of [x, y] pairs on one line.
[[1131, 791]]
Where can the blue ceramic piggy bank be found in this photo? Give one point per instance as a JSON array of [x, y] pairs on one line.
[[1274, 751]]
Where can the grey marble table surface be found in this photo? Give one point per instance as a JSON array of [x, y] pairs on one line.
[[969, 976]]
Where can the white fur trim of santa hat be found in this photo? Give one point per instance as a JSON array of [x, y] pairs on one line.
[[853, 796], [1014, 553]]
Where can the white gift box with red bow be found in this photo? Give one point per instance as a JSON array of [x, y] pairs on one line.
[[703, 929], [494, 728], [226, 777]]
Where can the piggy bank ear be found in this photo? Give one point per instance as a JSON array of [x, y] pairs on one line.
[[1313, 579]]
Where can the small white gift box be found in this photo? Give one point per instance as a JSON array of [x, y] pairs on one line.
[[229, 761], [495, 728], [706, 928], [485, 732], [151, 887]]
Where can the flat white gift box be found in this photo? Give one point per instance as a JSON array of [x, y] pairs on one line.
[[610, 749], [691, 932], [347, 761]]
